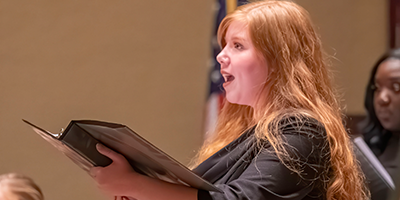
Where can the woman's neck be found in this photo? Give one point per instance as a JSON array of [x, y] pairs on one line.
[[395, 133]]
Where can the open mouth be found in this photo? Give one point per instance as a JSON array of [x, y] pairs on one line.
[[228, 77]]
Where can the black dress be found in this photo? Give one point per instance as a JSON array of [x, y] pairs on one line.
[[389, 157], [245, 169]]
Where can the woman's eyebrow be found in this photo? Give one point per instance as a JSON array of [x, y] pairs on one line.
[[387, 80], [238, 38]]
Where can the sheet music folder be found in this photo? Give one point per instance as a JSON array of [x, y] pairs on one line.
[[379, 181], [78, 142]]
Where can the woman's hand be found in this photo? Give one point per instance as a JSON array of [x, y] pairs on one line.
[[120, 180], [116, 179]]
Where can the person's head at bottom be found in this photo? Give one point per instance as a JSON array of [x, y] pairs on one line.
[[15, 186]]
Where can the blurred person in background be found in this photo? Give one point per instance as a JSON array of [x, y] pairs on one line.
[[381, 127]]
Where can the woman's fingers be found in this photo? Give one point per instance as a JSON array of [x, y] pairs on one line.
[[110, 178], [109, 153]]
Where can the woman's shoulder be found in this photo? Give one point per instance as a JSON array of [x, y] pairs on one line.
[[301, 125], [303, 136], [301, 145]]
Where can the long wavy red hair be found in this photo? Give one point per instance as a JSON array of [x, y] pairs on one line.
[[299, 84]]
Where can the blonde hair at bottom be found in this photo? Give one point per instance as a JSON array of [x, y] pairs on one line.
[[19, 187]]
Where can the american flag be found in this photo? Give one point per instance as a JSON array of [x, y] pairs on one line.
[[216, 91]]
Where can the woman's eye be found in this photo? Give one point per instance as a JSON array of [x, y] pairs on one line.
[[396, 87], [375, 87], [237, 46]]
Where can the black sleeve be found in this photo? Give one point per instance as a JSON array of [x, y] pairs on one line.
[[266, 177]]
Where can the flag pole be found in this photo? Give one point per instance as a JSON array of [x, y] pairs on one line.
[[231, 5]]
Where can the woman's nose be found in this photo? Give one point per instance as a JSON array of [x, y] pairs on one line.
[[222, 58], [383, 97]]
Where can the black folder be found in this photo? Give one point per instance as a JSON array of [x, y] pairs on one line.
[[78, 142]]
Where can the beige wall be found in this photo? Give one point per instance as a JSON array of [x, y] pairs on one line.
[[140, 63], [355, 32]]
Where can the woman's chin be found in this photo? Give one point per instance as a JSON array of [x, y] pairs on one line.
[[238, 102]]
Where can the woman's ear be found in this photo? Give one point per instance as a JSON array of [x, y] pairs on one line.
[[271, 70]]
